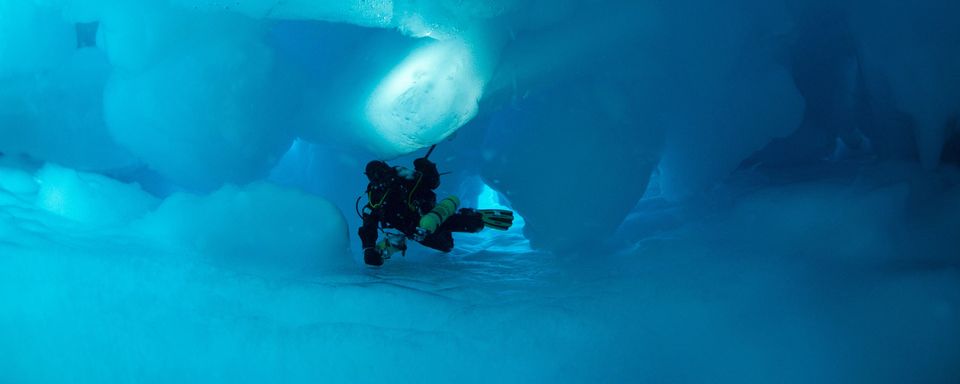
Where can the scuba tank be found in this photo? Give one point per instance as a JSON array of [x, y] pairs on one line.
[[440, 213]]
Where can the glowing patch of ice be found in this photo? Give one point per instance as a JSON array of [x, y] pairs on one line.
[[427, 97]]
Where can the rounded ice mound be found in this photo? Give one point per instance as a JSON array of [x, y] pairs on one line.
[[204, 118], [138, 34], [17, 182], [260, 227], [573, 162], [90, 199], [57, 115]]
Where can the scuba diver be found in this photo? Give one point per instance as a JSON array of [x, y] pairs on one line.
[[403, 200]]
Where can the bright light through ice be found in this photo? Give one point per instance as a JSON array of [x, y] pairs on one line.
[[512, 241], [489, 198], [427, 97]]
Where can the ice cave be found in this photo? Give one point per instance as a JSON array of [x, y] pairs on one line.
[[752, 191]]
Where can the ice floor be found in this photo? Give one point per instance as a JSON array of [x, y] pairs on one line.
[[851, 277]]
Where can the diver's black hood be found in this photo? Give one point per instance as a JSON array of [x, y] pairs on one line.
[[378, 170]]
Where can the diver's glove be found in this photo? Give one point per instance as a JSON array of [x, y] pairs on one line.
[[372, 256], [499, 219]]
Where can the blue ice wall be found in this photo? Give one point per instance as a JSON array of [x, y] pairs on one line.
[[210, 94]]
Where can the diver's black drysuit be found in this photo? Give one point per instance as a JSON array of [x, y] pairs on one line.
[[398, 198]]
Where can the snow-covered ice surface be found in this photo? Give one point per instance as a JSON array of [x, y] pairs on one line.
[[753, 284]]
